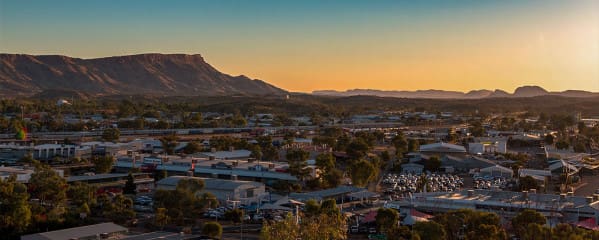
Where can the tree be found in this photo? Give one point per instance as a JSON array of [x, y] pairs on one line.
[[549, 139], [111, 134], [386, 219], [256, 152], [311, 208], [161, 218], [522, 221], [562, 144], [159, 175], [47, 186], [472, 224], [325, 161], [234, 215], [362, 172], [535, 231], [283, 230], [81, 193], [400, 143], [213, 230], [103, 164], [192, 147], [385, 156], [15, 212], [429, 230], [477, 129], [527, 183], [332, 178], [402, 233], [297, 163], [169, 143], [432, 164], [130, 187], [357, 149], [413, 145]]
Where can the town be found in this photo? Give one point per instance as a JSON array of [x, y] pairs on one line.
[[73, 169]]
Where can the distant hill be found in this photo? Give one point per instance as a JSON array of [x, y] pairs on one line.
[[155, 74], [524, 91]]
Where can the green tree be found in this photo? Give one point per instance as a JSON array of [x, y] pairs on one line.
[[477, 129], [47, 186], [386, 219], [169, 143], [234, 215], [535, 231], [413, 145], [111, 134], [130, 187], [82, 193], [362, 172], [325, 161], [283, 230], [332, 178], [522, 221], [549, 139], [103, 164], [297, 163], [311, 208], [432, 164], [562, 144], [400, 143], [159, 175], [527, 183], [357, 149], [15, 212], [256, 152], [161, 218], [192, 147], [429, 230], [213, 230]]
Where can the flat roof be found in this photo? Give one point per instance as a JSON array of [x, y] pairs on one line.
[[77, 232], [161, 235]]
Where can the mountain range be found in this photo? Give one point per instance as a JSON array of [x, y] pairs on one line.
[[178, 75], [154, 74], [524, 91]]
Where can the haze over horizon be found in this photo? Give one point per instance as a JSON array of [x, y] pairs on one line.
[[338, 45]]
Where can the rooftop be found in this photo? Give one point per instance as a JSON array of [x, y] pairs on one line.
[[77, 232]]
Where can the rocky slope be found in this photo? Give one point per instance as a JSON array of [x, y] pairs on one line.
[[156, 74]]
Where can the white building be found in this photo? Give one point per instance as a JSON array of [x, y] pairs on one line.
[[49, 151], [487, 147]]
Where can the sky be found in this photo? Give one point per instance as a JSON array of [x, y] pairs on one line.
[[314, 45]]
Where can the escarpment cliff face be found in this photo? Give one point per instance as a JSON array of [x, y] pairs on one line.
[[156, 74]]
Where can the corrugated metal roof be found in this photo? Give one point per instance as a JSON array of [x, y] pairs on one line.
[[77, 232]]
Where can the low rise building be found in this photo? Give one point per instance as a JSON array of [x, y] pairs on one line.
[[246, 192], [557, 208]]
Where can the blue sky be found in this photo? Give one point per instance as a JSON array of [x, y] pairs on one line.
[[308, 45]]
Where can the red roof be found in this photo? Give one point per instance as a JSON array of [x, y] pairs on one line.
[[416, 213], [588, 223], [370, 217]]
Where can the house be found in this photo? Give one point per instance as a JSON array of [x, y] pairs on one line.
[[246, 192]]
